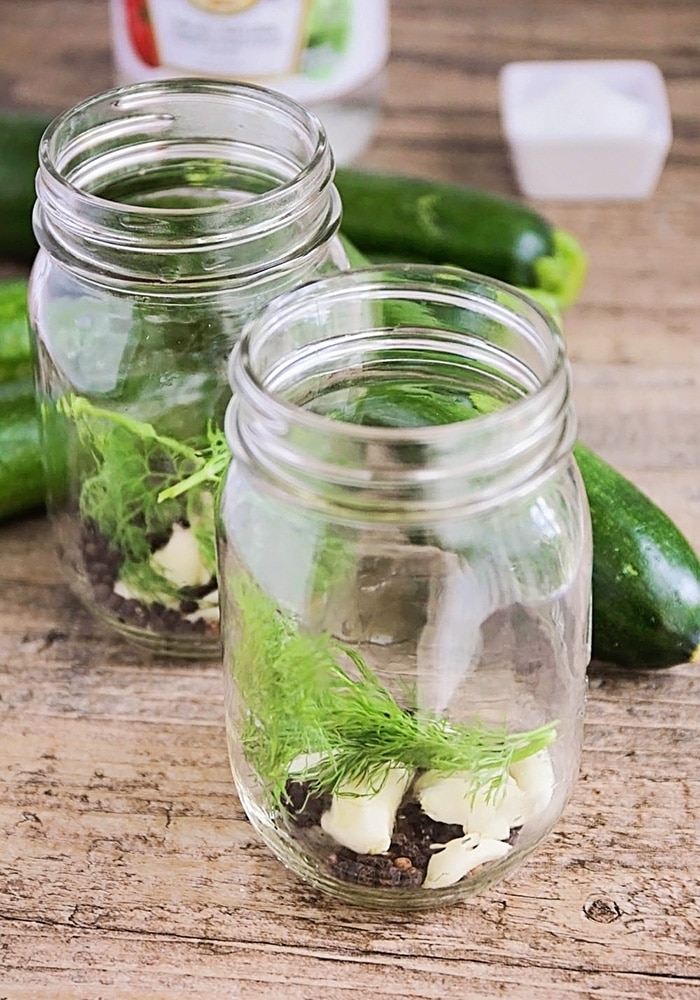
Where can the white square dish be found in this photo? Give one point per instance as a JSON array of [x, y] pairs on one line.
[[586, 129]]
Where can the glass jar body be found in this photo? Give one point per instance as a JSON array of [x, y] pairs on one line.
[[406, 613], [134, 312]]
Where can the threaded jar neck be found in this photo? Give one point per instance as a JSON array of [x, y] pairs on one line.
[[401, 390], [185, 180]]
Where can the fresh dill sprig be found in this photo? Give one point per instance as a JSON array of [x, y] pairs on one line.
[[282, 679], [373, 732], [213, 463], [124, 466], [302, 712]]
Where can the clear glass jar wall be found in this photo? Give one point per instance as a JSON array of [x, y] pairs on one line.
[[167, 213], [405, 559]]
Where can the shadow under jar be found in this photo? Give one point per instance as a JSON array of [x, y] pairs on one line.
[[167, 214], [405, 558]]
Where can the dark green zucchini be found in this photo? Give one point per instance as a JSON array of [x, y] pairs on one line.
[[414, 220], [20, 133], [646, 576]]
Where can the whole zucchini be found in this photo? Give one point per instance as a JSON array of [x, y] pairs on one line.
[[392, 217], [646, 576]]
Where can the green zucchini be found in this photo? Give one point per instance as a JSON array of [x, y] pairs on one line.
[[20, 133], [385, 215], [388, 216], [646, 576]]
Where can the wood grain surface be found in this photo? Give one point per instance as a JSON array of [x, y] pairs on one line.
[[127, 868]]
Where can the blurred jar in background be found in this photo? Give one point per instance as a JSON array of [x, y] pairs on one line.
[[167, 214], [326, 54]]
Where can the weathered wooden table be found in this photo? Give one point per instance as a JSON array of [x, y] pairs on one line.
[[127, 869]]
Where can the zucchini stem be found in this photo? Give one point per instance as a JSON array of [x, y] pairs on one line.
[[563, 272]]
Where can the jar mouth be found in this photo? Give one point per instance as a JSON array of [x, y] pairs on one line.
[[186, 167], [402, 333]]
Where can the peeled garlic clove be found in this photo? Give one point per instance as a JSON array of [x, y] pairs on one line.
[[453, 800], [496, 815], [460, 856], [361, 818], [445, 799], [534, 776], [124, 590], [179, 560]]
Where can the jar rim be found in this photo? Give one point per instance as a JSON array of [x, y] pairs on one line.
[[420, 278], [140, 92], [250, 130], [483, 457]]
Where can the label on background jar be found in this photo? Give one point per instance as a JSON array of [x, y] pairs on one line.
[[312, 50]]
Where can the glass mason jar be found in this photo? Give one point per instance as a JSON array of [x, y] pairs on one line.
[[405, 561], [167, 214]]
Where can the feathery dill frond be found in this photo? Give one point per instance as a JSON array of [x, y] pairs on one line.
[[296, 699], [126, 466]]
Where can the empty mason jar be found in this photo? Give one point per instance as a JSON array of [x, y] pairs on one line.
[[167, 213], [405, 560]]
